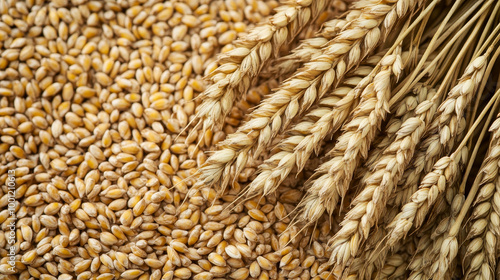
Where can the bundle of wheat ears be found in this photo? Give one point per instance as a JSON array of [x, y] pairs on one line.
[[391, 105]]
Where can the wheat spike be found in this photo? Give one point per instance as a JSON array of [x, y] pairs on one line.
[[306, 137], [395, 265], [300, 91], [239, 67], [362, 126], [481, 256], [432, 186], [424, 263], [331, 180], [369, 205], [410, 107], [442, 133], [405, 109]]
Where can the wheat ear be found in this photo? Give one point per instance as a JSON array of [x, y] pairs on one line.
[[306, 136], [423, 264], [322, 193], [446, 127], [373, 256], [405, 109], [300, 91], [311, 48], [239, 67], [395, 265], [365, 265], [448, 249], [484, 232], [370, 204]]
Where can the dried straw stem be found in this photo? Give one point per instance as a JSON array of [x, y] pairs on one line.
[[239, 67], [300, 91]]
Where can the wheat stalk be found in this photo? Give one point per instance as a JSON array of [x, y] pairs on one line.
[[366, 263], [374, 256], [239, 67], [373, 106], [445, 251], [307, 136], [324, 191], [380, 183], [300, 91], [405, 110]]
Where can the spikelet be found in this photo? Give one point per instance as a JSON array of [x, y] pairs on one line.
[[481, 256]]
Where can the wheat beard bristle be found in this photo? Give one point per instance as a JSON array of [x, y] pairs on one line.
[[358, 133], [307, 136]]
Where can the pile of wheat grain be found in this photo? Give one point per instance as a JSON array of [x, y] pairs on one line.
[[95, 164], [246, 139], [395, 103]]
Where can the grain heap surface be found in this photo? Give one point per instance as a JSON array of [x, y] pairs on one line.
[[249, 139]]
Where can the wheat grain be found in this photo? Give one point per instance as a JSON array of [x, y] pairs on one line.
[[93, 96]]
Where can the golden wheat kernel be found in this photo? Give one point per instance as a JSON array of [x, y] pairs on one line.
[[131, 274], [216, 259]]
